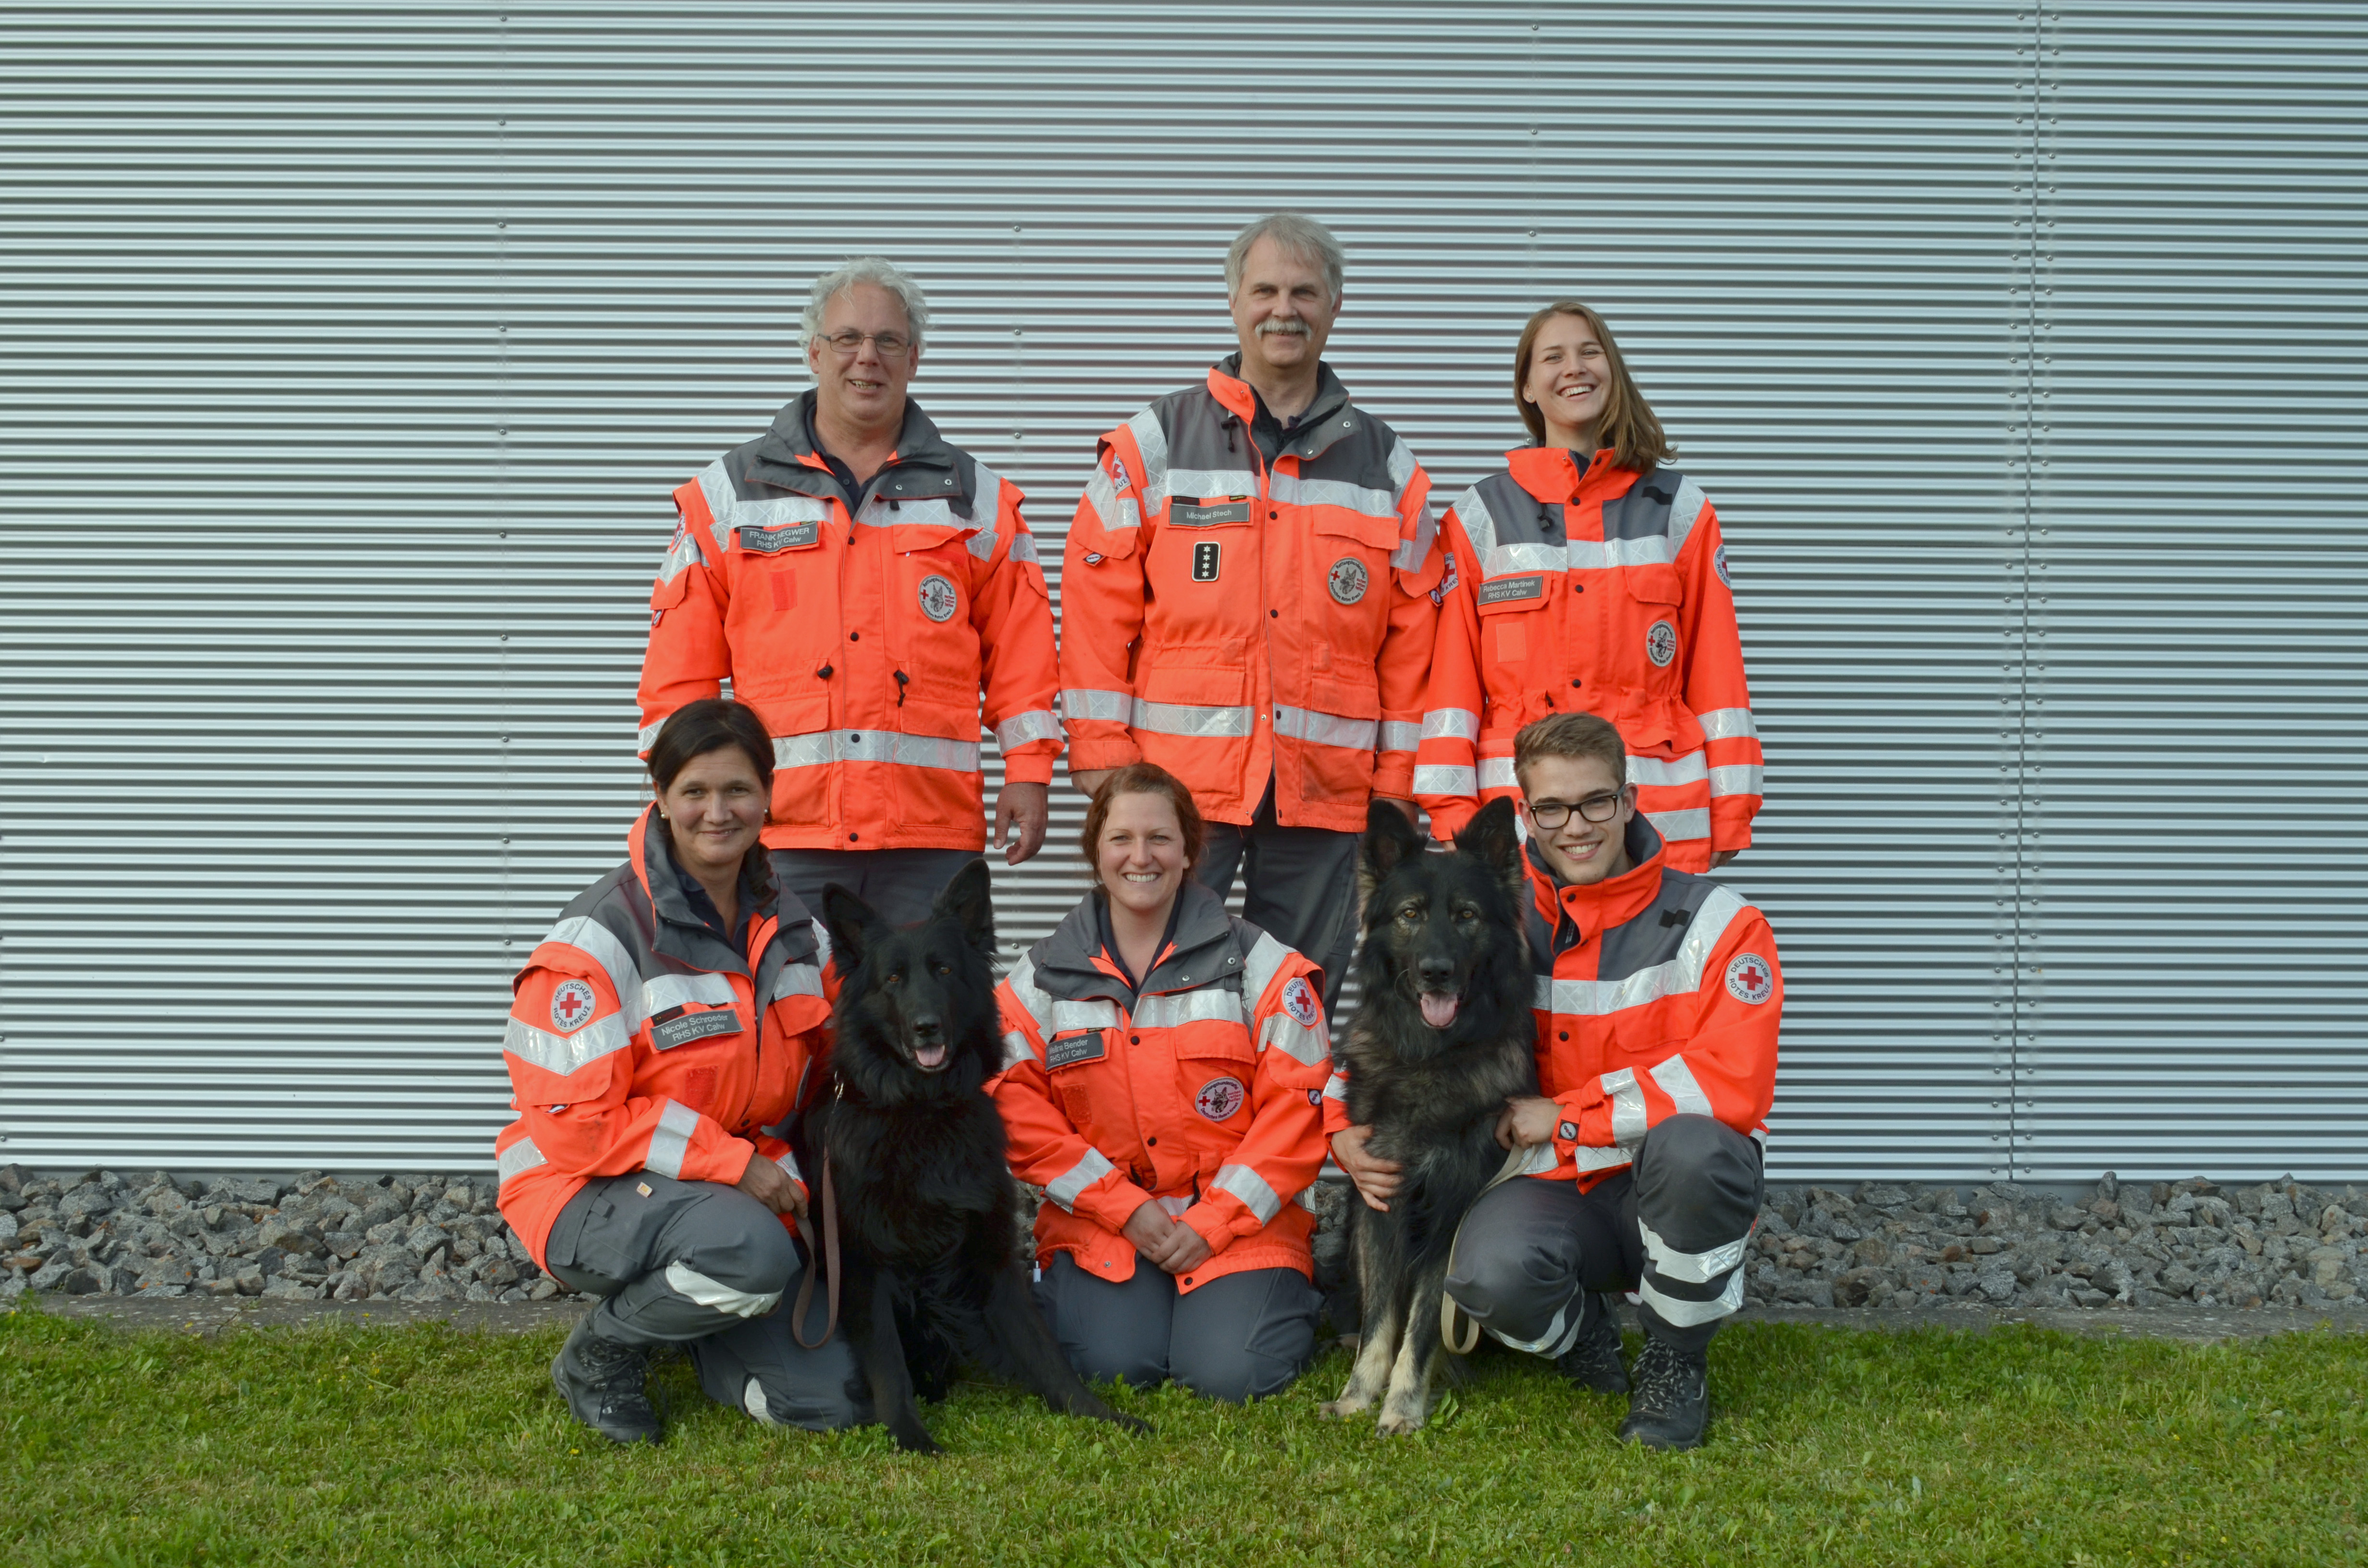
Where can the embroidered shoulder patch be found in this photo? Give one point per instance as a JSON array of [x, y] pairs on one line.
[[1298, 1001], [572, 1006], [1750, 978]]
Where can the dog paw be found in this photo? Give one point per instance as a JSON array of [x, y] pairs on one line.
[[1397, 1423], [1342, 1408]]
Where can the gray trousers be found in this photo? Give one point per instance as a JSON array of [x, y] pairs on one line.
[[708, 1267], [1299, 884], [1238, 1338], [1671, 1227], [898, 883]]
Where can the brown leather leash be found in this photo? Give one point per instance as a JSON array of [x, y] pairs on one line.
[[820, 1259]]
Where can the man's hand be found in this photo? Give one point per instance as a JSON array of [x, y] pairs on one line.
[[1527, 1121], [1170, 1242], [1376, 1178], [1720, 857], [1088, 781], [1408, 807], [771, 1185], [1019, 808]]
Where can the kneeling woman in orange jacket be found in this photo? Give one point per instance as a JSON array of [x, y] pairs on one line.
[[661, 1040], [1165, 1069], [1589, 578]]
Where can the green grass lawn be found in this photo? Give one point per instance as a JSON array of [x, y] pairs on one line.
[[353, 1446]]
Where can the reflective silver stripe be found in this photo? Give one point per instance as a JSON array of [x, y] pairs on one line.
[[663, 991], [717, 1295], [1662, 773], [1539, 1160], [1519, 560], [715, 488], [1078, 703], [1451, 724], [1685, 512], [788, 1160], [780, 513], [1560, 1333], [1680, 976], [1325, 728], [1627, 1096], [566, 1054], [1429, 779], [1374, 506], [1035, 725], [1694, 1267], [1410, 553], [1168, 1009], [1737, 778], [670, 1140], [1598, 555], [1250, 1187], [821, 942], [1016, 1049], [1204, 723], [1199, 483], [1065, 1189], [1260, 969], [1401, 466], [596, 942], [930, 512], [1093, 1014], [1677, 826], [1728, 725], [1680, 1314], [986, 495], [1023, 548], [1479, 527], [982, 543], [1103, 497], [517, 1159], [1022, 981], [1399, 734], [1496, 773], [825, 746], [1151, 445], [1588, 1158], [1677, 1081], [1304, 1045], [1173, 1207], [798, 980], [649, 736], [684, 555], [1336, 1087]]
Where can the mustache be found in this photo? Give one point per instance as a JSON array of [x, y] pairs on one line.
[[1294, 327]]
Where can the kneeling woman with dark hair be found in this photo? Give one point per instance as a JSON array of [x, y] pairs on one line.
[[663, 1037], [1164, 1066]]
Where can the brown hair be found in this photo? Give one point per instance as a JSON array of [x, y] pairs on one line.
[[1570, 734], [1142, 779], [709, 724], [1628, 426]]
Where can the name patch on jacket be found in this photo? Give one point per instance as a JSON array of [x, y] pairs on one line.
[[689, 1027], [1505, 590], [1068, 1049], [772, 541], [1190, 515]]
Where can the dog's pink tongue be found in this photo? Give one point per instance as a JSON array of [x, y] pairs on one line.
[[929, 1055], [1437, 1009]]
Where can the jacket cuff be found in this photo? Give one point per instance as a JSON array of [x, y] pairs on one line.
[[1730, 822], [1027, 769], [1211, 1226], [727, 1164], [1394, 773], [1091, 753], [1112, 1206]]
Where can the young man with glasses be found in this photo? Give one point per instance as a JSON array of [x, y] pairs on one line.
[[1657, 1001], [860, 583]]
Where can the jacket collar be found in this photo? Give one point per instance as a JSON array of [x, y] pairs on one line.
[[1597, 907], [927, 466], [1316, 429], [1064, 960], [680, 934], [1552, 474]]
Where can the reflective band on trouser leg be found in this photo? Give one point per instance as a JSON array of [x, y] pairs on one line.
[[714, 1293], [1688, 1289]]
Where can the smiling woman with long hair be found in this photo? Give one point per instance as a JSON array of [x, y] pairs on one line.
[[1588, 577], [1164, 1072]]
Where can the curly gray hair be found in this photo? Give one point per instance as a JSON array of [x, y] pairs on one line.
[[867, 269], [1303, 237]]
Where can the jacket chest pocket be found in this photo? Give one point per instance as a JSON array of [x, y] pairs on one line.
[[936, 645], [1350, 563], [1215, 1064], [1203, 568], [1073, 1062], [1656, 598], [1513, 629]]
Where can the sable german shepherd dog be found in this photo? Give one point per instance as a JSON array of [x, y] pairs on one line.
[[1442, 1037], [931, 1270]]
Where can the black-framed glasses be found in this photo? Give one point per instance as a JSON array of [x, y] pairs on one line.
[[848, 344], [1595, 808]]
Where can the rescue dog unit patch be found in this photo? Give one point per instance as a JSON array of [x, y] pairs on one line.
[[685, 1028], [1718, 563], [572, 1006], [1661, 643], [938, 599], [1298, 1001], [1506, 590], [772, 541], [1068, 1049], [1347, 580], [1750, 978], [1204, 561], [1220, 1098], [1446, 582], [1190, 515]]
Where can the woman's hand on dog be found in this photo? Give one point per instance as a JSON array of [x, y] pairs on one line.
[[773, 1186], [1376, 1178], [1527, 1121], [1168, 1242]]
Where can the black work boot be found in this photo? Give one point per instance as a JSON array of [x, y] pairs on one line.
[[602, 1382], [1593, 1361], [1671, 1405]]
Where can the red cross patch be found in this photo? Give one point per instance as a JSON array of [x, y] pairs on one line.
[[1298, 1001], [1220, 1098], [572, 1006], [1750, 978]]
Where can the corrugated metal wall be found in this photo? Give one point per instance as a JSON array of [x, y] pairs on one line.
[[350, 353]]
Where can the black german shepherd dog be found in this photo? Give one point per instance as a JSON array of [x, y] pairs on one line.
[[927, 1206], [1442, 1037]]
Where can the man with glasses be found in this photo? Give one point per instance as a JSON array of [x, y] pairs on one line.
[[860, 583], [1657, 1001]]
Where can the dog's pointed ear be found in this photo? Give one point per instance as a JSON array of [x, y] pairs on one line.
[[970, 898], [849, 921], [1390, 839], [1490, 838]]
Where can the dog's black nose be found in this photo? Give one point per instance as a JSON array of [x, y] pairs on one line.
[[1436, 974], [924, 1029]]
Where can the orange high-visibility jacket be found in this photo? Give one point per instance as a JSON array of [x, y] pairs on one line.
[[1200, 1091], [639, 1040], [865, 638], [1232, 622], [1657, 993], [1605, 592]]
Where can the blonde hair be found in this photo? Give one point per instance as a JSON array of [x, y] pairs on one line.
[[1628, 426]]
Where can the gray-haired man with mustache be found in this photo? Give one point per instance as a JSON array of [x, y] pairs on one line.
[[1248, 601]]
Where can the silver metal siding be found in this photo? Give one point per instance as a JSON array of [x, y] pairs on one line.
[[352, 354]]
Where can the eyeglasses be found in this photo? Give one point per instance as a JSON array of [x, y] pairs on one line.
[[1595, 808], [848, 344]]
